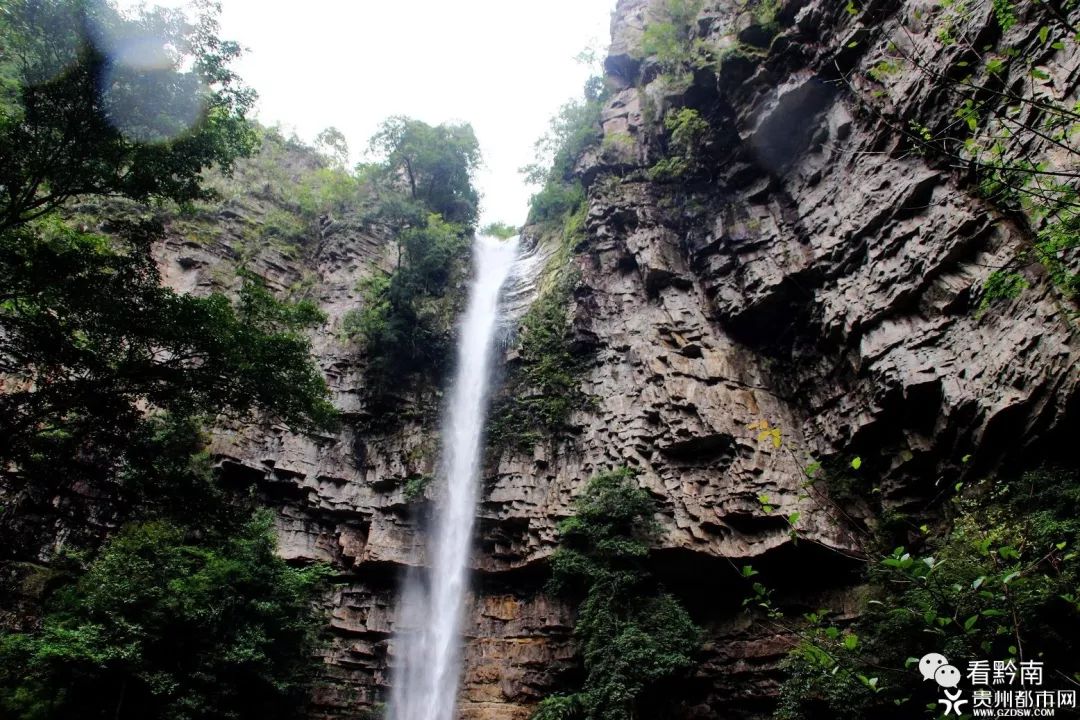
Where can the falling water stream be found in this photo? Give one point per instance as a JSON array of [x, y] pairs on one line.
[[433, 602]]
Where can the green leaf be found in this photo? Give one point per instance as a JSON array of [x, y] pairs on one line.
[[1008, 552], [851, 641], [856, 463]]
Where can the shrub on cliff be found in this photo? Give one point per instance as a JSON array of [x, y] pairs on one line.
[[997, 583], [541, 388], [406, 319], [573, 130], [634, 636], [424, 194]]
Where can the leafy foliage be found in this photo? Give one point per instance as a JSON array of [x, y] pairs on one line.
[[109, 377], [668, 38], [415, 487], [542, 384], [148, 132], [998, 582], [161, 625], [573, 130], [91, 333], [435, 162], [406, 321], [424, 193], [689, 133], [499, 230], [634, 636]]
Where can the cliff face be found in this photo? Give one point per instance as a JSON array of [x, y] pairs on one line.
[[817, 276]]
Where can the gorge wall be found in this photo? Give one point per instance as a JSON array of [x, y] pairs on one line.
[[816, 275]]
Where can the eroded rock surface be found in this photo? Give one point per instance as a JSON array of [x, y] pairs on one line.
[[823, 281]]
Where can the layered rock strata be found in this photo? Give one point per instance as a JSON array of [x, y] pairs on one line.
[[817, 278]]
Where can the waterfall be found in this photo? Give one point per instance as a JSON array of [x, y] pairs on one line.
[[433, 602]]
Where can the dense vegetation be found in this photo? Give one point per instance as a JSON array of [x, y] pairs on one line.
[[186, 612], [541, 389], [634, 636], [424, 195], [163, 625], [542, 385], [997, 580]]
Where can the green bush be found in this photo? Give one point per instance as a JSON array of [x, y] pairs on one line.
[[999, 581], [542, 386], [326, 190], [415, 487], [668, 38], [573, 130], [406, 321], [688, 133], [634, 636], [166, 625], [499, 230]]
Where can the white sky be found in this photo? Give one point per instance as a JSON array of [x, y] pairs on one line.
[[503, 65]]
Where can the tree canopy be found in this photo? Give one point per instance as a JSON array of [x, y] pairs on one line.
[[108, 379], [435, 163], [426, 197], [97, 103], [164, 626]]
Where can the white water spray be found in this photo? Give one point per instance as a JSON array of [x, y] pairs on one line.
[[432, 607]]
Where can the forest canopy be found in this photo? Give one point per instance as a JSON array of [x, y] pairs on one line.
[[109, 379]]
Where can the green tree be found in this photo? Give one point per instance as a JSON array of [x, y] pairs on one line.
[[87, 332], [436, 164], [108, 379], [424, 193], [574, 129], [634, 636], [167, 624], [406, 321], [83, 113]]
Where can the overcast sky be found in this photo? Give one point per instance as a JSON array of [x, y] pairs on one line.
[[503, 65]]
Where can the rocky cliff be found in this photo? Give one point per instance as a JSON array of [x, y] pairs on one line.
[[813, 276]]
